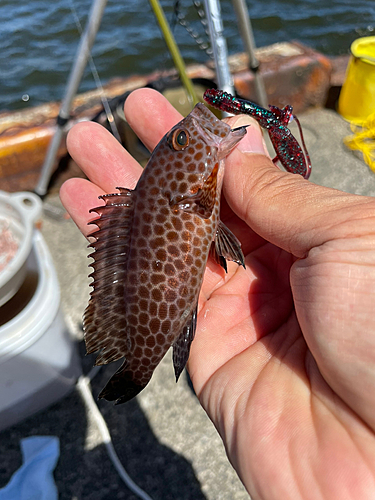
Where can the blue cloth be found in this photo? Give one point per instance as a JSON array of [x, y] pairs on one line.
[[34, 479]]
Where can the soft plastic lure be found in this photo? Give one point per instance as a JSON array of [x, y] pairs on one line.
[[275, 120]]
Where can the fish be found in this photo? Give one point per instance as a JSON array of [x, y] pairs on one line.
[[150, 253]]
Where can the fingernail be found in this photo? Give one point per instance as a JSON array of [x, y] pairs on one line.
[[253, 141]]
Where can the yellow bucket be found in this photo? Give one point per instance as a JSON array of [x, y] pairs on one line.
[[357, 97]]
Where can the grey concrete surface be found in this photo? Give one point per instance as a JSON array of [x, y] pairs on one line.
[[333, 164], [163, 437]]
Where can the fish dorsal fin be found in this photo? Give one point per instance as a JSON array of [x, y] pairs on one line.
[[104, 318], [227, 247], [181, 347]]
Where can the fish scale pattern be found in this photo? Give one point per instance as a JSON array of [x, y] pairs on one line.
[[151, 250]]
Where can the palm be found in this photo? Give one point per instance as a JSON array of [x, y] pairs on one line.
[[284, 356], [239, 308], [253, 360]]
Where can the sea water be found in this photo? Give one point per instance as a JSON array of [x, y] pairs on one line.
[[39, 38]]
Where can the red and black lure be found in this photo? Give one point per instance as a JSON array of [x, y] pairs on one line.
[[275, 120]]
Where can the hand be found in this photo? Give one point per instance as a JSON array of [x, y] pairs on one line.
[[284, 355]]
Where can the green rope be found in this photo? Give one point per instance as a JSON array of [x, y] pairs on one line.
[[174, 51]]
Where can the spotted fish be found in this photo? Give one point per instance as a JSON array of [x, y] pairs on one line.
[[151, 249]]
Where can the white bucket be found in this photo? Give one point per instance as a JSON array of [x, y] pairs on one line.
[[18, 213], [38, 359]]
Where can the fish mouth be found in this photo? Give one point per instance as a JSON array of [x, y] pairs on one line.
[[215, 132], [231, 141]]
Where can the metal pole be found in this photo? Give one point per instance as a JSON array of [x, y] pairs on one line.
[[247, 35], [219, 45], [75, 77]]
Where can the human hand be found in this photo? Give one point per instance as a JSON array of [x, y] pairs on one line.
[[284, 355]]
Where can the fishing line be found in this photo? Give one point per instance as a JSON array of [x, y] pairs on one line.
[[96, 77], [83, 386]]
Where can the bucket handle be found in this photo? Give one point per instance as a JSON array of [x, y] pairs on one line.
[[29, 204]]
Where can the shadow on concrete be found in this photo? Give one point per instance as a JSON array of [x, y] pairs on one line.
[[88, 474]]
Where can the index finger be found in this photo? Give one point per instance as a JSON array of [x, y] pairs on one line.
[[150, 115]]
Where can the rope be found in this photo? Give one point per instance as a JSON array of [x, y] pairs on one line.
[[363, 140]]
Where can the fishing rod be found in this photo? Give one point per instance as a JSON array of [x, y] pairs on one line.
[[220, 51], [219, 45]]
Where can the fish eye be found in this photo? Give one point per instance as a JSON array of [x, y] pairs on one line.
[[182, 139], [179, 139]]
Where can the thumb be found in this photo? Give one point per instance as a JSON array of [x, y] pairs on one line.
[[284, 208]]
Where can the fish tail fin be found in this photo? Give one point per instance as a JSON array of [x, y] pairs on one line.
[[123, 386]]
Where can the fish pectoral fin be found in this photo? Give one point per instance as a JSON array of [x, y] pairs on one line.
[[122, 386], [203, 201], [181, 347], [227, 247]]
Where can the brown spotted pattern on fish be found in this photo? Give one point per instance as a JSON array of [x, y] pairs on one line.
[[151, 250]]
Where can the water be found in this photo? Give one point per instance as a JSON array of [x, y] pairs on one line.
[[38, 38]]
